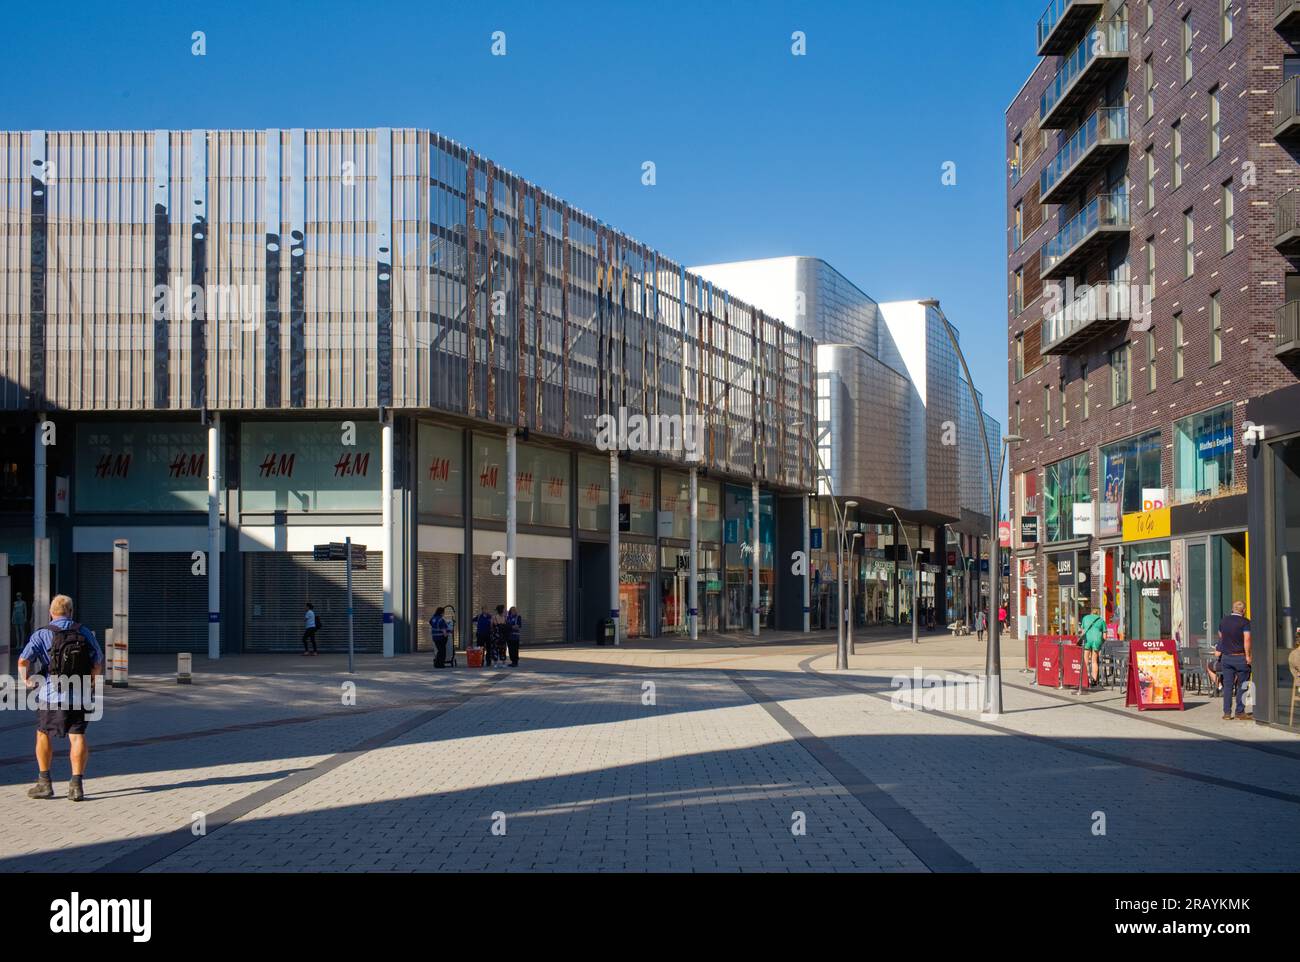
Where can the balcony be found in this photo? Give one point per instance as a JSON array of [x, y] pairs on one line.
[[1059, 26], [1103, 49], [1287, 321], [1097, 311], [1286, 223], [1286, 15], [1102, 137], [1100, 221], [1286, 112]]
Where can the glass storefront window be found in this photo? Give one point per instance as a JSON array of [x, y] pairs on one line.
[[1066, 485], [1203, 454], [306, 466], [1027, 503], [441, 465], [1286, 574], [136, 467], [1148, 596], [542, 485], [675, 503], [1128, 467], [636, 489], [593, 494]]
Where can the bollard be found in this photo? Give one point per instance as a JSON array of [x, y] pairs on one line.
[[183, 668], [110, 658]]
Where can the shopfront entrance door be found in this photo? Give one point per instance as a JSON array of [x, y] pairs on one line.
[[1197, 591]]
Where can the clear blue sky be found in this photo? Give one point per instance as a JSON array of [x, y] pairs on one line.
[[759, 153]]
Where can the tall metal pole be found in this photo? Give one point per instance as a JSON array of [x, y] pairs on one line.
[[754, 549], [512, 517], [214, 536], [387, 534], [841, 650], [693, 589], [807, 571], [613, 543], [852, 577]]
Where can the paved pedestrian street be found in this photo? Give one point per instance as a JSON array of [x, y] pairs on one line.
[[723, 755]]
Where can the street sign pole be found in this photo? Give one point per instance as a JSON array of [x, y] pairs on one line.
[[347, 564]]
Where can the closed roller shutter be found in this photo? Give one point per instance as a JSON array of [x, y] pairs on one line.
[[169, 604], [437, 584], [278, 585], [542, 596]]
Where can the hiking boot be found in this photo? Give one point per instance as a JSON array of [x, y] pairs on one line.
[[42, 789], [75, 792]]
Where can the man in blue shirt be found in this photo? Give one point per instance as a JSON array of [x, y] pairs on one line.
[[1235, 659], [60, 711]]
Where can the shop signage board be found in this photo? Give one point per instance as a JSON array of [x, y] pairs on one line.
[[1029, 529], [1154, 680], [1153, 499], [815, 539], [1083, 519], [1144, 525], [1004, 534]]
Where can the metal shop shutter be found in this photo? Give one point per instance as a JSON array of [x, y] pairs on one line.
[[437, 582], [542, 596], [169, 605], [278, 585]]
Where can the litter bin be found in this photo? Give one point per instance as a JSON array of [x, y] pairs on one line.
[[605, 632]]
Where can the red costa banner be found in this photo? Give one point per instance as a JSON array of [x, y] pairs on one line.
[[1073, 673], [1154, 678]]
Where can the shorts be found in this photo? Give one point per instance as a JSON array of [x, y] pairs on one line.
[[61, 722], [1094, 645]]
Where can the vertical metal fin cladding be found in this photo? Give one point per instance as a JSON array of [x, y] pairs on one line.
[[384, 271], [198, 269], [297, 268], [539, 269], [564, 326], [471, 283], [271, 183], [490, 270], [163, 306], [39, 184], [521, 321]]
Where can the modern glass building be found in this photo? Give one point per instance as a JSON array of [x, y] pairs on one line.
[[306, 335]]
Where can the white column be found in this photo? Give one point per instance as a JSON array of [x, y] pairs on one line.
[[753, 590], [214, 536], [386, 533], [807, 571], [693, 589], [512, 519], [613, 542]]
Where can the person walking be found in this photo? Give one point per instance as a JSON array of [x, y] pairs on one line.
[[310, 625], [1235, 660], [441, 632], [514, 632], [981, 624], [499, 635], [483, 634], [18, 618], [1002, 617], [1092, 635], [69, 658]]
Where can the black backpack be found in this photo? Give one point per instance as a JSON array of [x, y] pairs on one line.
[[71, 655]]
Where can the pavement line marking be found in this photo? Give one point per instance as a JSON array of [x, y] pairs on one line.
[[172, 842], [932, 851], [1052, 742]]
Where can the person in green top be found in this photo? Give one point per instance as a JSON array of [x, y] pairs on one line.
[[1092, 635]]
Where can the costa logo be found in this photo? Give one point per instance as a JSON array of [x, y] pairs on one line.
[[1149, 569]]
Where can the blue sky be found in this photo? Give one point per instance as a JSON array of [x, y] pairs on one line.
[[837, 154]]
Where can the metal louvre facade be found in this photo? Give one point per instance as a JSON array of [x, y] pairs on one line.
[[345, 269]]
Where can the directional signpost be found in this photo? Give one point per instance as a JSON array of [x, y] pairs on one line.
[[342, 551]]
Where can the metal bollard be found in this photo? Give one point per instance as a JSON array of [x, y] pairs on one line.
[[183, 660]]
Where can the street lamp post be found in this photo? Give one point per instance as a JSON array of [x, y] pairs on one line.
[[916, 576], [853, 555]]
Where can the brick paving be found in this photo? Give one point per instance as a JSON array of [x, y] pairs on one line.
[[656, 756]]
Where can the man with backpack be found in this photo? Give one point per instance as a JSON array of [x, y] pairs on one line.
[[1092, 635], [69, 659], [441, 631]]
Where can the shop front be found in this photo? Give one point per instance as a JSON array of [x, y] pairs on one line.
[[1068, 590]]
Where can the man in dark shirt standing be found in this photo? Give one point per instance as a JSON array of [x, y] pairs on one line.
[[1234, 659]]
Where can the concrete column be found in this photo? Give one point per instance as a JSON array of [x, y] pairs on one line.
[[613, 542], [39, 480], [40, 540], [512, 519], [214, 536], [754, 547], [807, 573], [386, 535], [693, 589]]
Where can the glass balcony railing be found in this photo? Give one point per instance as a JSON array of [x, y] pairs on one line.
[[1104, 210], [1107, 123], [1056, 12], [1286, 104], [1286, 217], [1287, 321], [1106, 37]]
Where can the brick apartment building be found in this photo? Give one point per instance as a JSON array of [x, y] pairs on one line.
[[1152, 294]]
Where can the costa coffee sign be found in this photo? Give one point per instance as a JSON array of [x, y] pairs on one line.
[[1149, 569]]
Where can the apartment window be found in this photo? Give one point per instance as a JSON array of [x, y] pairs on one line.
[[1149, 73], [1226, 19], [1151, 177], [1020, 356], [1187, 47], [1151, 360], [1216, 329], [1018, 294], [1229, 235], [1016, 422], [1189, 244], [1202, 454], [1216, 143], [1178, 346], [1119, 375], [1047, 410], [1083, 378], [1151, 13], [1018, 231], [1151, 265], [1065, 414], [1017, 156], [1178, 153]]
